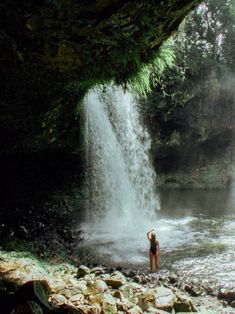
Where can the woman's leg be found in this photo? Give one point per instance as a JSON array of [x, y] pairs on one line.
[[156, 261], [151, 260]]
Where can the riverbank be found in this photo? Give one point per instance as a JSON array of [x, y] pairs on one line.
[[30, 285]]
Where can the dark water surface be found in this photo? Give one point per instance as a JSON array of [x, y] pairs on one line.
[[196, 230]]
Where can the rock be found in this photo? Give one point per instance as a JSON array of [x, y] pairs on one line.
[[29, 307], [121, 301], [184, 304], [228, 295], [118, 294], [37, 291], [194, 291], [95, 298], [130, 273], [140, 279], [121, 306], [135, 310], [119, 268], [89, 277], [58, 299], [173, 278], [98, 270], [152, 310], [233, 304], [116, 280], [65, 309], [136, 287], [128, 293], [77, 298], [99, 286], [90, 309], [83, 271], [68, 292], [109, 304], [147, 299], [7, 301], [224, 303], [164, 298]]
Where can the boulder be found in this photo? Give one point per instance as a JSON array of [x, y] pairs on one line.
[[77, 298], [89, 277], [97, 286], [98, 270], [128, 292], [90, 309], [194, 291], [83, 271], [164, 298], [109, 304], [135, 310], [116, 280], [29, 307], [7, 301], [152, 310], [173, 278], [37, 291], [226, 294], [65, 309], [58, 299], [183, 304], [122, 306], [70, 291], [147, 299]]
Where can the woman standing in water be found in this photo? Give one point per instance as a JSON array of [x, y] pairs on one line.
[[154, 249]]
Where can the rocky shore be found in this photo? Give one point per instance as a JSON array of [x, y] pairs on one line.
[[31, 286]]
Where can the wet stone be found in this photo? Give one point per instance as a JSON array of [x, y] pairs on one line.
[[147, 299], [58, 299], [116, 280], [183, 303], [109, 304], [29, 307], [164, 298], [83, 271], [65, 309], [135, 310], [37, 291], [173, 278], [97, 270], [228, 295]]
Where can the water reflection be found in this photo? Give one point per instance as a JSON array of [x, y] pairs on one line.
[[178, 203]]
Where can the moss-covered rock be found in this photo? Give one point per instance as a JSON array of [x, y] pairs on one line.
[[53, 51]]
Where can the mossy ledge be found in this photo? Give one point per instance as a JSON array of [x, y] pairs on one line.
[[53, 51]]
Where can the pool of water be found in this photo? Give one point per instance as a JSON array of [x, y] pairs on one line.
[[196, 230]]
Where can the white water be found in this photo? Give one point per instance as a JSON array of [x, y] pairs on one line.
[[195, 229], [120, 180]]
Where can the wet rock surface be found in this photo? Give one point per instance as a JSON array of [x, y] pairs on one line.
[[57, 289]]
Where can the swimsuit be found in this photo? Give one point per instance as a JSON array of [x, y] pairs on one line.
[[153, 248]]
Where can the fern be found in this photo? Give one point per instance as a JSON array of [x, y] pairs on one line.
[[142, 82]]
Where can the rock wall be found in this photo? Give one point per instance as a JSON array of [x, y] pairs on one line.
[[51, 53], [193, 146]]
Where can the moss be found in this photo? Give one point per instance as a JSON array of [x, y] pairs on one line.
[[52, 54]]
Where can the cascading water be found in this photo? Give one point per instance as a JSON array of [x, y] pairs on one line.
[[195, 229], [120, 197]]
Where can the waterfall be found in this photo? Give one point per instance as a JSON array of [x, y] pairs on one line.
[[120, 180]]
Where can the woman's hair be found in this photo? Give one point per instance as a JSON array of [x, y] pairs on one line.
[[153, 238]]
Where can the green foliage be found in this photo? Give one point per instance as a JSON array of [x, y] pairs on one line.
[[141, 83], [204, 45]]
